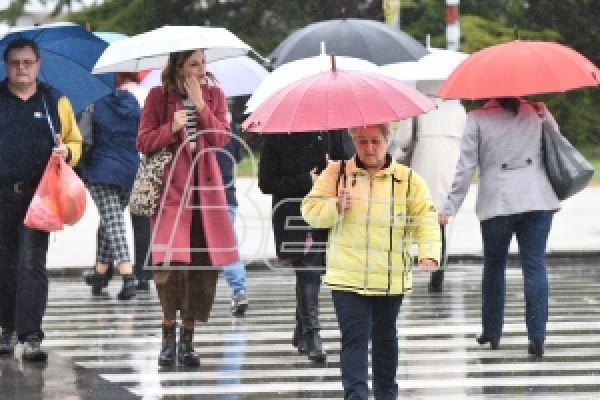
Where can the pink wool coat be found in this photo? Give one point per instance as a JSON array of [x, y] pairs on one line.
[[155, 133]]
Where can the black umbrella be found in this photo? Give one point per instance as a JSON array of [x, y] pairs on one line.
[[361, 38]]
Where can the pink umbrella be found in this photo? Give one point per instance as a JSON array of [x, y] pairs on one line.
[[337, 99]]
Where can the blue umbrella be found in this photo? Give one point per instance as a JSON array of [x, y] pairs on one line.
[[68, 54]]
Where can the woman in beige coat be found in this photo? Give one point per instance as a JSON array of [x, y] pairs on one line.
[[436, 151]]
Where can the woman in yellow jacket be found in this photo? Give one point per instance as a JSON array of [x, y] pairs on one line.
[[375, 209]]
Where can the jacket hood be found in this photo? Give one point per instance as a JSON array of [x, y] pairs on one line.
[[122, 103]]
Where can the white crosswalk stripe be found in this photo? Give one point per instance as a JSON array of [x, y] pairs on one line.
[[252, 357]]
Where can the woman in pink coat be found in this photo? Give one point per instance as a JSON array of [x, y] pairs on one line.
[[194, 216]]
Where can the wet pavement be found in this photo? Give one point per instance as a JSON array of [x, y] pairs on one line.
[[102, 348]]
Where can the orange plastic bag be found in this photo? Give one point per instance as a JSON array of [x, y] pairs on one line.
[[59, 199]]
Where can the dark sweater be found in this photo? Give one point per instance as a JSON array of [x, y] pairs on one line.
[[25, 137], [231, 155]]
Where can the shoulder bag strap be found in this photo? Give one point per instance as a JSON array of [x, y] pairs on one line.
[[341, 173], [50, 124]]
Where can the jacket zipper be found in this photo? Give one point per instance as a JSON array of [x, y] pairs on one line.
[[389, 285], [368, 222]]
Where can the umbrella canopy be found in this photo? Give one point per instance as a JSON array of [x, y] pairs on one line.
[[435, 66], [150, 50], [110, 37], [360, 38], [237, 76], [68, 53], [520, 68], [337, 99], [299, 69]]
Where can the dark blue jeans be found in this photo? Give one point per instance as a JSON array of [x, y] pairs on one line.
[[360, 318], [23, 275], [531, 229]]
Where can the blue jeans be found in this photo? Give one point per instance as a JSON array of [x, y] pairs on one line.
[[235, 273], [531, 229], [360, 318]]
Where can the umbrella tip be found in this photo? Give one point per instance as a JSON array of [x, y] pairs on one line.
[[333, 67]]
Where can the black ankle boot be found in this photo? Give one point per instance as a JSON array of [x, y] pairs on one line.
[[298, 340], [168, 349], [186, 354], [128, 290], [536, 347], [99, 281], [310, 322], [436, 281], [96, 281], [494, 341]]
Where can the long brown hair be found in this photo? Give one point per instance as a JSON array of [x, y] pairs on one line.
[[169, 73]]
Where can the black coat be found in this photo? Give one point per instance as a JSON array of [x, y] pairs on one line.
[[230, 155], [285, 162]]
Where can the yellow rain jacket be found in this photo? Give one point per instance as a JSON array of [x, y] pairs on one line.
[[369, 247]]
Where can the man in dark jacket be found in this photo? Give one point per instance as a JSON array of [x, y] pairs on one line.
[[32, 115], [287, 165]]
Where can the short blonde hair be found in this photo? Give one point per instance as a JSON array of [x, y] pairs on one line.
[[383, 128]]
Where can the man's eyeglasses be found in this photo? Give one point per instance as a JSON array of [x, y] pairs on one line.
[[18, 63]]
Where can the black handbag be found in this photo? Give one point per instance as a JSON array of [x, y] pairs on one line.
[[568, 170]]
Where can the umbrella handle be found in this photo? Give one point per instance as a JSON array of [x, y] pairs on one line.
[[333, 67]]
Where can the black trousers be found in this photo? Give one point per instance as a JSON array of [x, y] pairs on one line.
[[23, 274], [141, 239]]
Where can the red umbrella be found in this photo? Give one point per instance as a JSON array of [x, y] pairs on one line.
[[519, 68], [337, 99]]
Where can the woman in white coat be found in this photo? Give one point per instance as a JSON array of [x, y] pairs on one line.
[[436, 151], [503, 140]]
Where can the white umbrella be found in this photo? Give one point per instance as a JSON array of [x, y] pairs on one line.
[[237, 76], [150, 50], [429, 72], [295, 70]]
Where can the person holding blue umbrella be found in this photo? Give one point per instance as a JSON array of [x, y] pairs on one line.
[[69, 53], [31, 113]]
